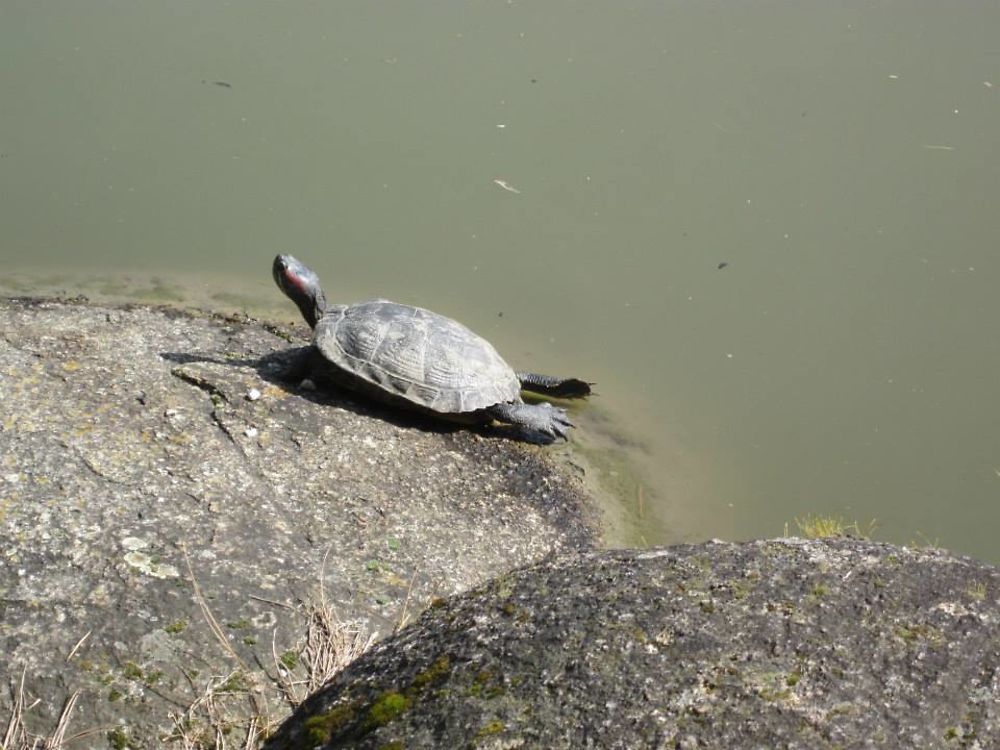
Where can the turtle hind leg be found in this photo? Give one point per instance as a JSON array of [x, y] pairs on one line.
[[549, 385], [541, 423]]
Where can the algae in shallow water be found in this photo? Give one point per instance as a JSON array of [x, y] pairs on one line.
[[612, 475]]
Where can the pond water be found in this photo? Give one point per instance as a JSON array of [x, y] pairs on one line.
[[768, 231]]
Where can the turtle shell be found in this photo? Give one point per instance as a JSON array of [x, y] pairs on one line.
[[423, 357]]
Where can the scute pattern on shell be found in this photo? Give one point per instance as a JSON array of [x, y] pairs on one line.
[[424, 357]]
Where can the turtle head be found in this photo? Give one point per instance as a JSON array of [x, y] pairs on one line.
[[301, 285]]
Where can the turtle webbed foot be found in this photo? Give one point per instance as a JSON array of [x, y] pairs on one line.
[[540, 423]]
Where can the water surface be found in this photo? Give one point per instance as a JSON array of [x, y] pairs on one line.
[[768, 230]]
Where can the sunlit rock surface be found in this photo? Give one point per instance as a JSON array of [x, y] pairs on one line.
[[138, 445], [785, 643]]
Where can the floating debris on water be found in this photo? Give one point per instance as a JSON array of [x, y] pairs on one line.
[[506, 186]]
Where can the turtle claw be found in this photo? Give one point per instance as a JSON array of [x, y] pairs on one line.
[[541, 423], [550, 421], [559, 422]]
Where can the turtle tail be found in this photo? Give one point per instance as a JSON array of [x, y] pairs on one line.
[[550, 385]]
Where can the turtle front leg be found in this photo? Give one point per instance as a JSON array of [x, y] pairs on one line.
[[541, 422], [549, 385], [298, 365]]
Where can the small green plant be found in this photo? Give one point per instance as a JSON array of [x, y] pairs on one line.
[[289, 659], [118, 738], [924, 541], [236, 683], [131, 671], [490, 729], [921, 633], [977, 591], [831, 527], [820, 590], [437, 670], [153, 677], [321, 727], [387, 707]]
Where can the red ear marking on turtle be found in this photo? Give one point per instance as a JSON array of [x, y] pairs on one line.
[[294, 279]]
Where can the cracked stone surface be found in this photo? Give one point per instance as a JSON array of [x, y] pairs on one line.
[[136, 442], [774, 644]]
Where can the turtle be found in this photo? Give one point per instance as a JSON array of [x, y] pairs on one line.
[[411, 357]]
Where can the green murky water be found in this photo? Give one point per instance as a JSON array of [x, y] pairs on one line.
[[768, 230]]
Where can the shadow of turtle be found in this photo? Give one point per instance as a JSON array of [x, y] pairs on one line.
[[301, 371]]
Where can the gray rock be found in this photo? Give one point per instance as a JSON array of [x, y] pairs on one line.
[[786, 643], [131, 447]]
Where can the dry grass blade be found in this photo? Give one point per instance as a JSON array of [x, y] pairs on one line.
[[254, 734], [329, 645], [14, 722], [219, 714], [76, 648], [213, 624], [56, 740], [406, 603], [13, 725], [17, 736], [228, 711], [224, 704]]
